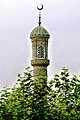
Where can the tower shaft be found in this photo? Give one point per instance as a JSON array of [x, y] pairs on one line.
[[39, 66], [39, 38]]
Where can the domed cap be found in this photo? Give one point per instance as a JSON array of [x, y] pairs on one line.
[[39, 32]]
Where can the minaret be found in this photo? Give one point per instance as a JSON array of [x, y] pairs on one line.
[[39, 37]]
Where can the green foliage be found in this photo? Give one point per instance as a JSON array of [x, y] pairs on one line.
[[38, 100]]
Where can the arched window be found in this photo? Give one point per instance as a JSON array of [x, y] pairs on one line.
[[41, 51]]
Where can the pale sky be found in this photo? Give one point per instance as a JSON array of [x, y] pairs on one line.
[[19, 17]]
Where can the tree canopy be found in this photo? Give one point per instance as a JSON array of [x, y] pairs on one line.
[[38, 99]]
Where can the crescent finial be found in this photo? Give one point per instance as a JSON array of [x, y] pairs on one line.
[[40, 8], [40, 13]]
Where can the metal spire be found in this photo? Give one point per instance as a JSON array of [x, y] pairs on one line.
[[40, 14]]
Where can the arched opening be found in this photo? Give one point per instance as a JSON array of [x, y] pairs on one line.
[[41, 51]]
